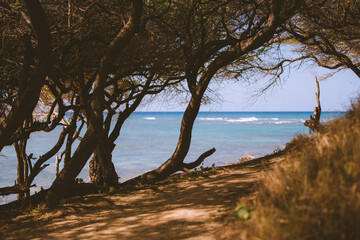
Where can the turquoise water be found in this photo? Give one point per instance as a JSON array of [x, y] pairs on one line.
[[149, 138]]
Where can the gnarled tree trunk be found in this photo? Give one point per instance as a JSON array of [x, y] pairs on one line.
[[101, 168], [22, 166], [210, 67], [29, 94], [176, 161], [94, 112]]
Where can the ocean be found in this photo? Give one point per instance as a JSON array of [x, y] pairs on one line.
[[149, 138]]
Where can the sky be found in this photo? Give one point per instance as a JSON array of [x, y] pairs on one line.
[[295, 93]]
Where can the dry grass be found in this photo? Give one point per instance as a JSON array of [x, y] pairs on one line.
[[315, 192]]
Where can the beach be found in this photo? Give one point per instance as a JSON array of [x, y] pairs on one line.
[[186, 206]]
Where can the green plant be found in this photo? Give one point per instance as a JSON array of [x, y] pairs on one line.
[[111, 189], [242, 213], [38, 209]]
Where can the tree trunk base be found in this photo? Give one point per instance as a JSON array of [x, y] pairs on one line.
[[100, 175]]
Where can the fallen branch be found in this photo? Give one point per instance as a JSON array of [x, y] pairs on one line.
[[17, 188]]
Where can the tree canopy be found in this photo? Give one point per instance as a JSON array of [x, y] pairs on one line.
[[86, 66], [328, 32]]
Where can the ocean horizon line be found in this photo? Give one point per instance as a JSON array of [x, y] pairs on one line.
[[240, 111]]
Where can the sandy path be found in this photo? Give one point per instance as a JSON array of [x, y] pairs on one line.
[[187, 209]]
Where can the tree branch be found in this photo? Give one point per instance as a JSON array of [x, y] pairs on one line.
[[199, 160]]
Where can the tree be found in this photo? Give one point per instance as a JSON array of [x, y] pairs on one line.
[[76, 75], [106, 58], [240, 28], [144, 70], [328, 31], [314, 122], [94, 111], [21, 85], [101, 168]]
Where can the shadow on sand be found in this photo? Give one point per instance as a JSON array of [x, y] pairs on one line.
[[185, 209]]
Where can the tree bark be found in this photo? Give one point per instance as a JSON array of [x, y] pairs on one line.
[[101, 168], [73, 168], [20, 168], [95, 111], [24, 163], [27, 99], [314, 122]]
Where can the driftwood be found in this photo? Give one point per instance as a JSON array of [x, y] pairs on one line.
[[314, 122]]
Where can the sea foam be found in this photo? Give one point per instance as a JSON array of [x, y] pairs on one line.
[[149, 118], [246, 119], [211, 119]]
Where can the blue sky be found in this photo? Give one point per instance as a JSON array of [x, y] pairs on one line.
[[295, 93]]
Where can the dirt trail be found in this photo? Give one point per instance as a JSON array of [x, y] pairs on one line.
[[192, 208]]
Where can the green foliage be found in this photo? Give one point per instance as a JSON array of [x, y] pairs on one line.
[[328, 30], [17, 5], [111, 189], [178, 177], [242, 213], [37, 209]]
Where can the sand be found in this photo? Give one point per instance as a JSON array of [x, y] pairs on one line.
[[186, 206]]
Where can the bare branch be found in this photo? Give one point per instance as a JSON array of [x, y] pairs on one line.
[[199, 160]]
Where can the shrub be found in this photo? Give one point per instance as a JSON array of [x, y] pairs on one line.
[[315, 192]]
